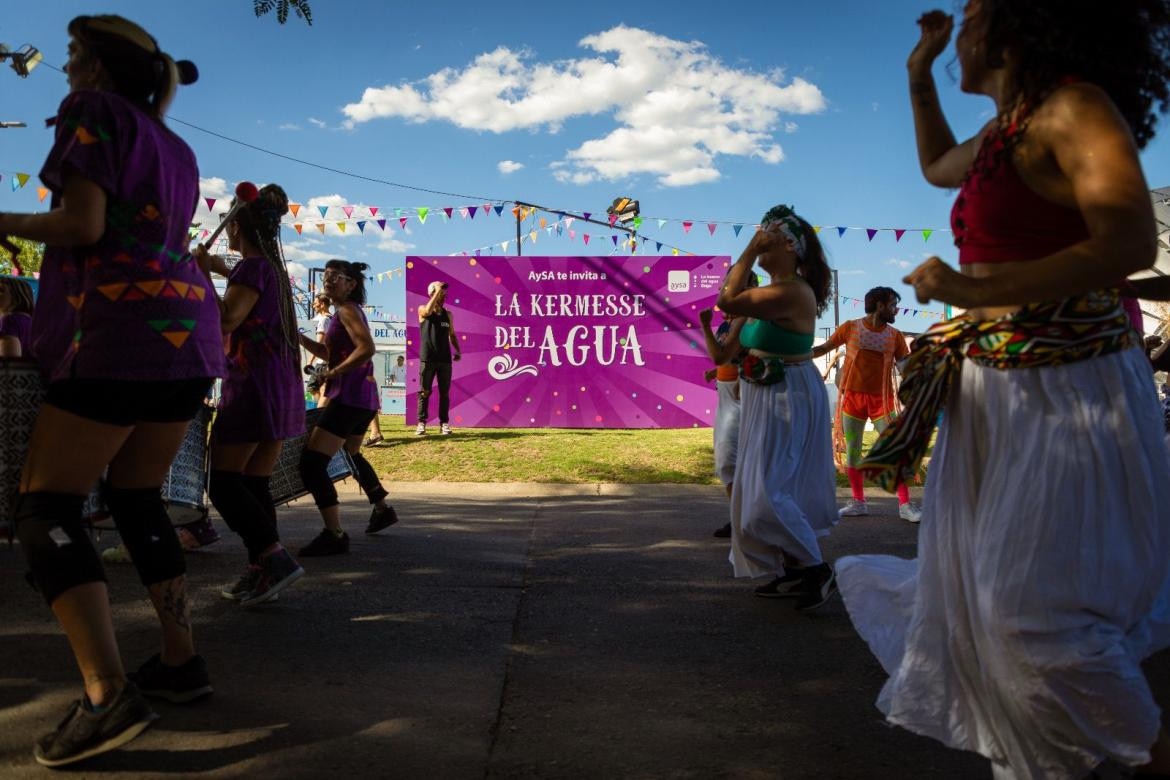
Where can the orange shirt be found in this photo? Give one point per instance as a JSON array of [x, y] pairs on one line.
[[869, 356]]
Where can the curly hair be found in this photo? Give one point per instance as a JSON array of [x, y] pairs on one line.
[[356, 274], [1124, 50]]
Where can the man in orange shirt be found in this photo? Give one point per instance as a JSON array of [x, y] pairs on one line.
[[866, 382]]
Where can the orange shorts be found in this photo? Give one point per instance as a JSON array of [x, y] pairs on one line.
[[863, 406]]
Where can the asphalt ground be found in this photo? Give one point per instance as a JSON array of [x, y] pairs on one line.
[[498, 631]]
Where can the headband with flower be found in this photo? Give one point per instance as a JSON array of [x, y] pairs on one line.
[[785, 219]]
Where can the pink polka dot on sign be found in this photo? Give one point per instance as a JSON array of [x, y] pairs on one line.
[[582, 388], [496, 408], [597, 418], [498, 280], [458, 418]]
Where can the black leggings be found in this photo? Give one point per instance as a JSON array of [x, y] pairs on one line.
[[245, 503], [314, 467]]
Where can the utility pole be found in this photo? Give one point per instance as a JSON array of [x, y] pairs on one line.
[[519, 219], [520, 205], [836, 300]]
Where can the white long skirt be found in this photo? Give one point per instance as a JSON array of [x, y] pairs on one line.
[[1041, 578], [726, 431], [783, 497]]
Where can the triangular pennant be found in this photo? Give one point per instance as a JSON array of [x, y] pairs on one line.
[[381, 224], [504, 245], [471, 211], [572, 234], [871, 233], [585, 237], [661, 222], [499, 210], [324, 210], [340, 227], [587, 215], [817, 229], [543, 223], [41, 194], [737, 228], [926, 235], [659, 243], [515, 212], [612, 219], [422, 215], [637, 222], [687, 226], [898, 234], [210, 203], [373, 211], [402, 222], [532, 236], [711, 227], [294, 208], [674, 252], [298, 226], [463, 212], [321, 227], [348, 210], [361, 226], [22, 178], [841, 231], [614, 240]]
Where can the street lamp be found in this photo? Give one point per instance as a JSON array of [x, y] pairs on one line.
[[22, 60]]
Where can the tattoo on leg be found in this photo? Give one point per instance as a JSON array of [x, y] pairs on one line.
[[174, 602]]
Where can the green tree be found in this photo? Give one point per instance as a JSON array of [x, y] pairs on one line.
[[29, 257], [262, 7]]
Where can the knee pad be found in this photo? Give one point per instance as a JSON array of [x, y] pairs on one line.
[[368, 478], [142, 520], [314, 468], [59, 553]]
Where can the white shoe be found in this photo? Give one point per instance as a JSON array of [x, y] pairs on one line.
[[910, 512], [445, 429], [854, 508], [421, 430]]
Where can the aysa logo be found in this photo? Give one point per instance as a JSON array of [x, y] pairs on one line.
[[678, 281]]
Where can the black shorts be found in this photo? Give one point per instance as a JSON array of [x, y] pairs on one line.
[[124, 403], [344, 420]]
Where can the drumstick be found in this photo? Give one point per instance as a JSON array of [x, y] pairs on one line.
[[7, 245], [246, 192]]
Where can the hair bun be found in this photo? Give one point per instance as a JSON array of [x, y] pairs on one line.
[[188, 73], [359, 267], [272, 198]]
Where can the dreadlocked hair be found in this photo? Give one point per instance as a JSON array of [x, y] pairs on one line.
[[1123, 49], [140, 71], [259, 223]]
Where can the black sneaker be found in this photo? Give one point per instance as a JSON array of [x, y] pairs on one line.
[[723, 533], [381, 518], [83, 734], [178, 684], [278, 570], [817, 587], [326, 543], [782, 587]]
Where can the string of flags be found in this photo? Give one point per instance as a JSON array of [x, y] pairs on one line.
[[938, 315]]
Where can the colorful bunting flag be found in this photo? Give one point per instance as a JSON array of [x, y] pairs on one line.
[[711, 227], [298, 227], [324, 210], [422, 215], [41, 194], [348, 211], [737, 228], [361, 227], [926, 235], [898, 233], [871, 233], [209, 201], [687, 226], [841, 231], [294, 208]]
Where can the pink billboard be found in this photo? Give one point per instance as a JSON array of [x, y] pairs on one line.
[[571, 342]]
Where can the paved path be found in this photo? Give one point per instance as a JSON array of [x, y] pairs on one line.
[[499, 631]]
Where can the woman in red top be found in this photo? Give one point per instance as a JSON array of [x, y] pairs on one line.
[[1040, 583]]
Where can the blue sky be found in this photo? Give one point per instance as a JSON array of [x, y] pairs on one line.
[[792, 102]]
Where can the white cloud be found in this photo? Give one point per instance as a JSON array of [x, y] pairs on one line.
[[900, 263], [508, 166], [393, 245], [289, 126], [851, 272], [677, 106], [315, 122]]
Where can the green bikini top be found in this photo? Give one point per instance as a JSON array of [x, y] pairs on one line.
[[768, 337]]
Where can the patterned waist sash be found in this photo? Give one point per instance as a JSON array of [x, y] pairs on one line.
[[761, 370], [1045, 334]]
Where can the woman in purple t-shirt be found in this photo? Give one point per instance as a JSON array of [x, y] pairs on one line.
[[16, 308], [128, 339], [262, 402], [353, 394]]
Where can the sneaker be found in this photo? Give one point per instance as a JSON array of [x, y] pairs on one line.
[[910, 512], [372, 440], [244, 584], [421, 430], [776, 590], [445, 429], [278, 570], [817, 587], [381, 518], [723, 533], [178, 684], [854, 508], [326, 543], [197, 534], [83, 733]]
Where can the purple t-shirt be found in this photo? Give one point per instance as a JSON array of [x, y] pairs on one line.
[[134, 305], [355, 388], [18, 325], [262, 397]]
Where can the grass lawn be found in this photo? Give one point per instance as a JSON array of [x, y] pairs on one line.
[[547, 455]]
